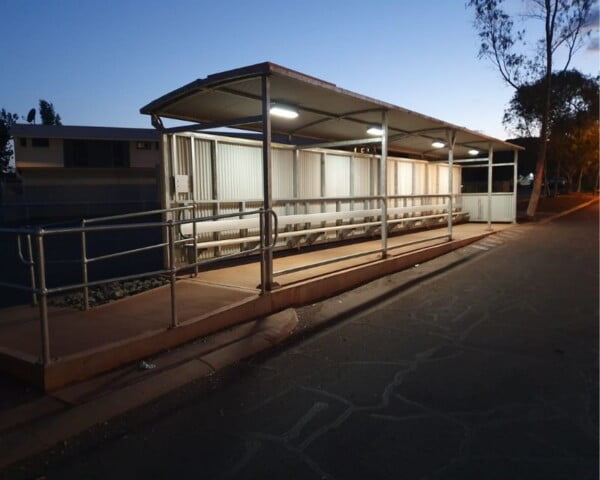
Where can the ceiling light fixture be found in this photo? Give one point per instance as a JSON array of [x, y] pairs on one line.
[[473, 152], [375, 131], [437, 144], [283, 111]]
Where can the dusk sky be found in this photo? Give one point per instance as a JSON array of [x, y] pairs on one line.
[[100, 61]]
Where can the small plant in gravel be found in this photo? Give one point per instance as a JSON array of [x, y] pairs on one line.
[[107, 293]]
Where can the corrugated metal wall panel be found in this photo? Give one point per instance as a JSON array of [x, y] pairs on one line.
[[203, 180], [456, 179], [283, 173], [337, 175], [405, 178], [309, 179], [432, 179], [337, 180], [362, 167], [442, 179], [503, 207], [239, 171], [391, 177]]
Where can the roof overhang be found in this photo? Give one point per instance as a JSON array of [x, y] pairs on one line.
[[84, 132], [327, 113]]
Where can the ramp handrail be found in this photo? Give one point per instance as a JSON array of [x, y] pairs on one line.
[[37, 263]]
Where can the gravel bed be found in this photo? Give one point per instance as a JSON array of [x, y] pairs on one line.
[[107, 293]]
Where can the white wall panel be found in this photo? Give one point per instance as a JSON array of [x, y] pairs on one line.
[[283, 173], [361, 176], [337, 175], [239, 171], [203, 180], [503, 207]]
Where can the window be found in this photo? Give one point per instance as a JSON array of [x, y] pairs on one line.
[[96, 153], [40, 142], [143, 145], [23, 141]]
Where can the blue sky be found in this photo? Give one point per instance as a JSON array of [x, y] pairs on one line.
[[100, 61]]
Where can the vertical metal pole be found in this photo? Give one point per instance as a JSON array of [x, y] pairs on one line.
[[171, 237], [267, 253], [31, 268], [263, 270], [43, 298], [515, 184], [451, 137], [383, 183], [195, 234], [84, 269], [490, 182]]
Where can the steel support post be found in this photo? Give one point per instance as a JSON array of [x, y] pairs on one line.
[[43, 299], [383, 183], [490, 183], [84, 269], [31, 269], [266, 270], [171, 236], [515, 184], [451, 138]]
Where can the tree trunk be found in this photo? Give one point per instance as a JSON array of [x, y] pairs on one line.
[[580, 179], [541, 156], [556, 177]]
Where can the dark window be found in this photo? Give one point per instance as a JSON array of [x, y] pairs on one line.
[[96, 153], [40, 142], [23, 141], [143, 145]]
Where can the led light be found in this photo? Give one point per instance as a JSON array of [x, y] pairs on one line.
[[375, 130], [438, 145], [473, 152], [283, 111]]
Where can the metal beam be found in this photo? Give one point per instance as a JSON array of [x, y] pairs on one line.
[[234, 122], [485, 165], [334, 117], [340, 143]]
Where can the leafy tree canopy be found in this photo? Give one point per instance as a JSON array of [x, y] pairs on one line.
[[574, 98], [47, 114]]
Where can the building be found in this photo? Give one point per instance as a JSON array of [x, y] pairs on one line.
[[65, 172]]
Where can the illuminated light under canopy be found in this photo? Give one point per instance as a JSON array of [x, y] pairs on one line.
[[283, 111], [376, 131], [473, 152], [438, 144]]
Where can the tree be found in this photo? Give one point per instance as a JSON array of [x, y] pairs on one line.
[[507, 48], [47, 114], [7, 120], [31, 116], [572, 116]]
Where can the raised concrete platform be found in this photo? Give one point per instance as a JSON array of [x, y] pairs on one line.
[[84, 344]]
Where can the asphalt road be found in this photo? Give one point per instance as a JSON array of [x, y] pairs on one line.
[[486, 371]]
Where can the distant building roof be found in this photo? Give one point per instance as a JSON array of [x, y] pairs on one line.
[[85, 132]]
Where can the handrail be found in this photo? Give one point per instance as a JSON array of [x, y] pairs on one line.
[[38, 262], [41, 294]]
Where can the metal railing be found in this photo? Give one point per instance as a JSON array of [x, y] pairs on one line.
[[36, 262], [35, 257]]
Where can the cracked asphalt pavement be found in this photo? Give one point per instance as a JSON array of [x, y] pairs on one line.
[[488, 370]]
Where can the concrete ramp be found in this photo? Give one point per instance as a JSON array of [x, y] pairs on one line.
[[84, 344]]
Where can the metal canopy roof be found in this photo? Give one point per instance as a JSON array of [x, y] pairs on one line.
[[327, 113]]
